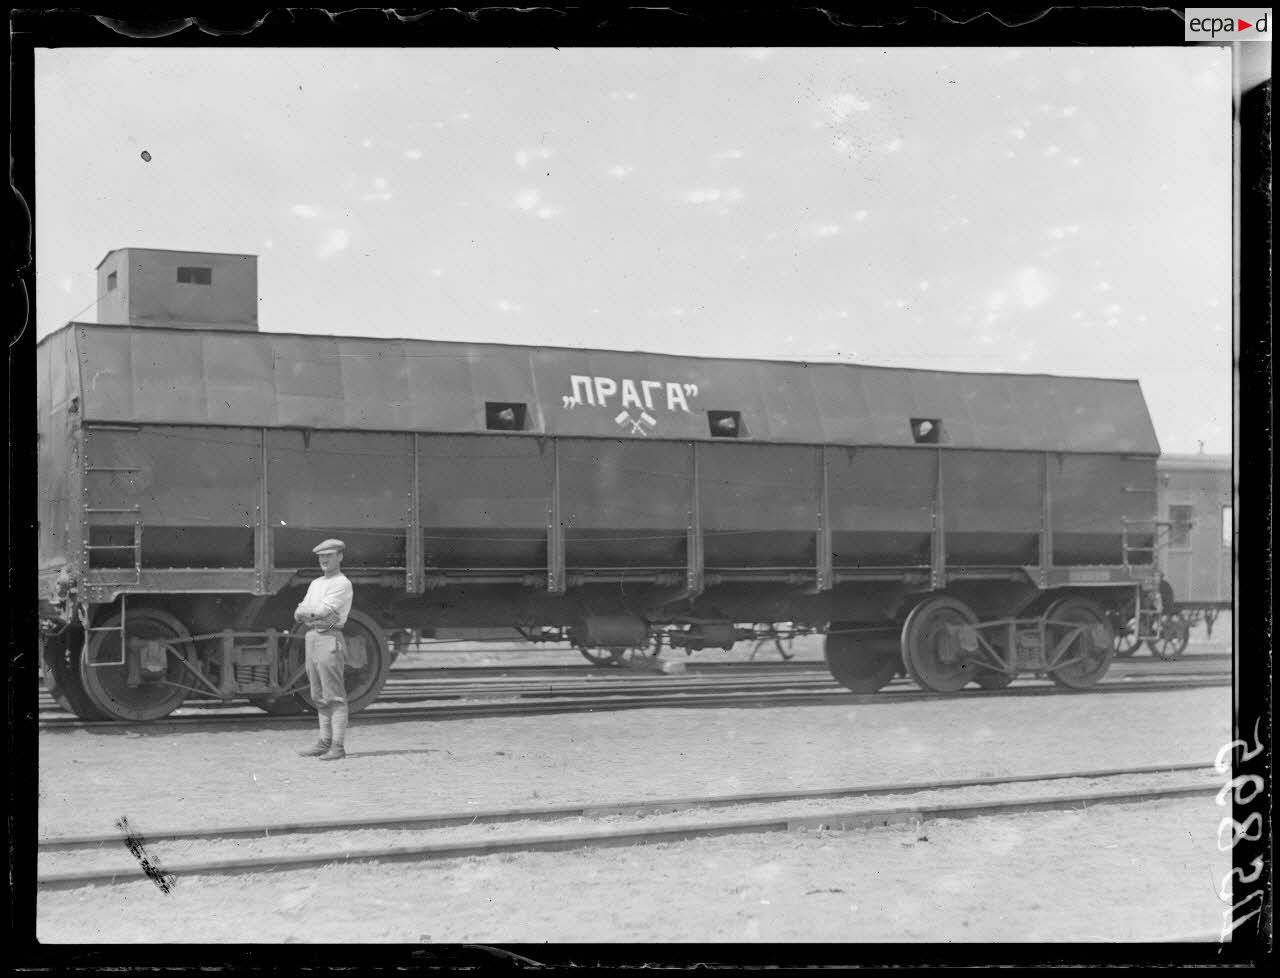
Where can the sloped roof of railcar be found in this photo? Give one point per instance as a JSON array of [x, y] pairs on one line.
[[174, 251], [160, 375]]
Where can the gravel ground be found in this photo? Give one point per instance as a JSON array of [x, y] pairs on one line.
[[1050, 877], [90, 778], [169, 854], [956, 887]]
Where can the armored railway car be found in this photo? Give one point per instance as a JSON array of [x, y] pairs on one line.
[[962, 526]]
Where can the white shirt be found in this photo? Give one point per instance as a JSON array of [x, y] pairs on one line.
[[329, 594]]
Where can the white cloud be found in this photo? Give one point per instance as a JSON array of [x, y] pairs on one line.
[[413, 154], [840, 106], [530, 200], [620, 96], [1017, 132], [463, 116], [859, 216], [893, 145], [335, 241], [1073, 161], [712, 195], [436, 272], [923, 286], [506, 305], [727, 154], [756, 54], [827, 230], [1032, 287], [304, 210], [621, 170], [379, 192], [524, 156], [367, 143], [1051, 151]]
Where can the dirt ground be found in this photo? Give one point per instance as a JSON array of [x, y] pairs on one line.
[[1053, 876], [1049, 877]]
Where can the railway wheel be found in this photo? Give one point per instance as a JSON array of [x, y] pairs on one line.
[[1127, 643], [931, 648], [363, 681], [1175, 632], [60, 668], [1089, 643], [1126, 629], [603, 657], [861, 663], [157, 686]]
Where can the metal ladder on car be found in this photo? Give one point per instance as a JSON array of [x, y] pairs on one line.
[[118, 629], [1150, 616], [134, 545]]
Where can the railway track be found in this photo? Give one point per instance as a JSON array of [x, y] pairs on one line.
[[410, 689], [541, 699], [446, 835], [774, 667]]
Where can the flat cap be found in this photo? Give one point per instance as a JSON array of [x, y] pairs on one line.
[[329, 546]]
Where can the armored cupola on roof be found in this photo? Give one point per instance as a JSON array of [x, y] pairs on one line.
[[191, 289]]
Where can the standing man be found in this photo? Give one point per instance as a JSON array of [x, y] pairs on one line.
[[324, 611]]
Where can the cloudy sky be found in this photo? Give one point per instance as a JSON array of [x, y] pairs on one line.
[[1028, 210]]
